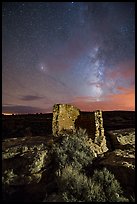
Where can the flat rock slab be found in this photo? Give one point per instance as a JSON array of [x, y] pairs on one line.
[[123, 138], [23, 160], [122, 164], [26, 168]]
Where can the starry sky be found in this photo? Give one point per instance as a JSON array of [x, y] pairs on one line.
[[80, 53]]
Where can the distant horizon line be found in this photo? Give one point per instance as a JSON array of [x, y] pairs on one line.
[[52, 112]]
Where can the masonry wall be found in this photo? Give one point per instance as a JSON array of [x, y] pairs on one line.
[[70, 118], [93, 123], [64, 116]]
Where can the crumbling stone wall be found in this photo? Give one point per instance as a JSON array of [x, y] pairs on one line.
[[99, 130], [98, 136], [64, 116], [93, 123], [68, 117]]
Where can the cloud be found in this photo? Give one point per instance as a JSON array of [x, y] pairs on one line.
[[122, 89], [124, 70], [126, 98], [31, 97], [22, 109], [85, 98], [120, 101], [119, 77]]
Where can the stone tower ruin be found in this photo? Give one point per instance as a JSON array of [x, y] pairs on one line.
[[97, 122], [64, 116], [70, 118]]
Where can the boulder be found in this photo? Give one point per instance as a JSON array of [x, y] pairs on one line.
[[121, 161], [122, 138], [98, 149], [122, 164], [25, 164]]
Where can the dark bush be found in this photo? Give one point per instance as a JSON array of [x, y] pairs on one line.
[[72, 149], [71, 154], [109, 185], [77, 187]]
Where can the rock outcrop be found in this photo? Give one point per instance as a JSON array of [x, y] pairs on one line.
[[26, 164], [24, 167], [123, 138], [121, 161], [122, 164]]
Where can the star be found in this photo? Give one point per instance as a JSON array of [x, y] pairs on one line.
[[74, 46]]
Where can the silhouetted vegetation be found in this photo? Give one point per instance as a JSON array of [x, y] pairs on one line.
[[41, 124], [71, 155], [72, 149], [72, 174], [75, 186], [26, 125]]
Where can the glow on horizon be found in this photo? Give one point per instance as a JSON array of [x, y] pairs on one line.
[[66, 53], [7, 113]]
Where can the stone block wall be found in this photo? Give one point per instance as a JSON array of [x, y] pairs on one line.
[[64, 116], [68, 117], [99, 130], [93, 123]]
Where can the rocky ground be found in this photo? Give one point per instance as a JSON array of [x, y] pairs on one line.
[[121, 161], [25, 168], [27, 171]]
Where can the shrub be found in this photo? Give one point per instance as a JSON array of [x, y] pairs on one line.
[[72, 149], [110, 186], [71, 154], [75, 186]]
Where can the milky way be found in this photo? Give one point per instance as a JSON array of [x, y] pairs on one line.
[[81, 53]]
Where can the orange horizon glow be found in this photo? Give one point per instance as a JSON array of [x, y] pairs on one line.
[[82, 108], [7, 113], [122, 101]]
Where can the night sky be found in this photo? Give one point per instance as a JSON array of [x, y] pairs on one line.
[[80, 53]]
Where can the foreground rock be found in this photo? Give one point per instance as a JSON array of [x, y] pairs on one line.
[[25, 168], [121, 161], [122, 164], [123, 138], [26, 164]]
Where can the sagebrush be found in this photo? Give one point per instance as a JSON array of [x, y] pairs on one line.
[[71, 155]]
